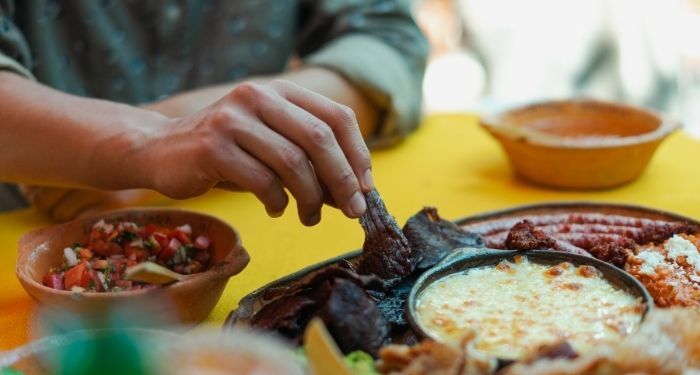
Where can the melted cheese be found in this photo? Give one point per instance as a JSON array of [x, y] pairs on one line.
[[515, 308]]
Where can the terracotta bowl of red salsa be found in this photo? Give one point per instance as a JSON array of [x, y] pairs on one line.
[[579, 144], [57, 286]]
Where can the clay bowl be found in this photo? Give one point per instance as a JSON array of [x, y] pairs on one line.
[[136, 350], [579, 144], [464, 259], [46, 355], [184, 302]]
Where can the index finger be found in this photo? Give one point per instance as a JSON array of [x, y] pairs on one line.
[[341, 119]]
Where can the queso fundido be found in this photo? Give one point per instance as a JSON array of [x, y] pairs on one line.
[[516, 307]]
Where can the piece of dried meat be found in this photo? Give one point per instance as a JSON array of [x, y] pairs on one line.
[[431, 238], [386, 251], [353, 319]]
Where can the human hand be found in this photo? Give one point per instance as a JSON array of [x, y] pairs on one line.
[[63, 204], [265, 138]]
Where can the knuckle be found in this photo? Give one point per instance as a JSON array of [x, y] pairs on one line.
[[248, 92], [293, 158], [320, 133], [363, 158], [346, 177], [263, 181], [278, 84], [207, 148], [219, 117], [346, 115]]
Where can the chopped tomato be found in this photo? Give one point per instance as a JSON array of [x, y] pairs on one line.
[[79, 275], [183, 237], [135, 253], [161, 238], [170, 250], [149, 229], [85, 254], [99, 265], [105, 248]]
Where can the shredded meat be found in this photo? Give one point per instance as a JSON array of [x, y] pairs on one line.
[[428, 357]]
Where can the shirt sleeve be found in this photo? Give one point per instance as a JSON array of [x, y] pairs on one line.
[[379, 48], [14, 51]]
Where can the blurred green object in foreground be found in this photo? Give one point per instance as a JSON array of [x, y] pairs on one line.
[[361, 363], [107, 353], [10, 371]]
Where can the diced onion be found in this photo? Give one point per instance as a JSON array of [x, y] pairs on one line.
[[202, 242], [174, 244], [136, 243], [71, 258], [187, 229]]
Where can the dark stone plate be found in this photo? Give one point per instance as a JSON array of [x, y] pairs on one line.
[[251, 303]]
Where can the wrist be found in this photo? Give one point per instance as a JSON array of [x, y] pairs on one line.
[[122, 157]]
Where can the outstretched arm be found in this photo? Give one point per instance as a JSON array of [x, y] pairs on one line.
[[258, 138]]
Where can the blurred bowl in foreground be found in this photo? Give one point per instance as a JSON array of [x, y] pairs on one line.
[[579, 144]]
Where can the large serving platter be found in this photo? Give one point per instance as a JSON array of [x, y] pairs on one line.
[[251, 303]]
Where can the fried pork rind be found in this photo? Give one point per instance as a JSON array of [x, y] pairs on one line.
[[667, 343], [435, 358]]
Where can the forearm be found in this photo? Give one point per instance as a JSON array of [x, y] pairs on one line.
[[48, 137], [323, 81]]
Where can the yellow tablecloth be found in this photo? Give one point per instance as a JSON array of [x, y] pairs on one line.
[[449, 163]]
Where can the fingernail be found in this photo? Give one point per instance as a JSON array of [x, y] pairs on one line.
[[357, 205], [315, 219], [368, 180], [275, 214]]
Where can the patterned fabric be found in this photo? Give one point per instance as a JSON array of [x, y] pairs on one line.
[[138, 51]]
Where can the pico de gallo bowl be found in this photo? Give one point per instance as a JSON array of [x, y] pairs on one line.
[[43, 252], [99, 264]]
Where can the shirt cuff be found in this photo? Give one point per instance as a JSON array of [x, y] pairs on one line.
[[11, 65], [382, 75]]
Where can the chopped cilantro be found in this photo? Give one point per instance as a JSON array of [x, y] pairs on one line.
[[125, 237]]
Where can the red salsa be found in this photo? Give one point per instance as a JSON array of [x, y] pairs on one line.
[[99, 265]]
